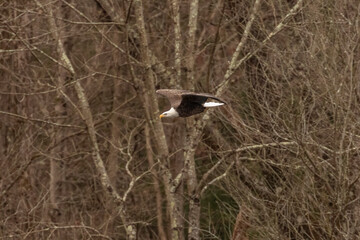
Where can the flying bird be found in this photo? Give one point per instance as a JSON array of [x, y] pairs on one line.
[[185, 103]]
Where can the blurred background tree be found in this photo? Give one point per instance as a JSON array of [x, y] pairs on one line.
[[84, 155]]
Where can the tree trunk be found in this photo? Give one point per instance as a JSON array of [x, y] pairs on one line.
[[149, 153], [86, 114]]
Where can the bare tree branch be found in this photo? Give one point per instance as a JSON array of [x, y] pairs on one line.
[[39, 120], [88, 118]]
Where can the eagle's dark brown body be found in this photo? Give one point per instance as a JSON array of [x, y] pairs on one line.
[[187, 109], [187, 103]]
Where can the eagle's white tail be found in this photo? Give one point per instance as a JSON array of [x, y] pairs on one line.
[[212, 104]]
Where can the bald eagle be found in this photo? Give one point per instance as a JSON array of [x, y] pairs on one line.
[[185, 103]]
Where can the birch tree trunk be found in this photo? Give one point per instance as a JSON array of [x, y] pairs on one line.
[[86, 115], [151, 105], [56, 162], [160, 221], [177, 42], [189, 153], [57, 166]]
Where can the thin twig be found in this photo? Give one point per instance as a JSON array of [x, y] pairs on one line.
[[39, 120]]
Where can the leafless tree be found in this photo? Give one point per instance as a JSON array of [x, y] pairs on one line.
[[85, 155]]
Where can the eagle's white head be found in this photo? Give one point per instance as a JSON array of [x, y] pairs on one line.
[[168, 114]]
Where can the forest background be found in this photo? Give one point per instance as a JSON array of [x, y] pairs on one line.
[[84, 154]]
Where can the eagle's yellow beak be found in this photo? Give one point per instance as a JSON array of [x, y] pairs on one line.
[[161, 116]]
